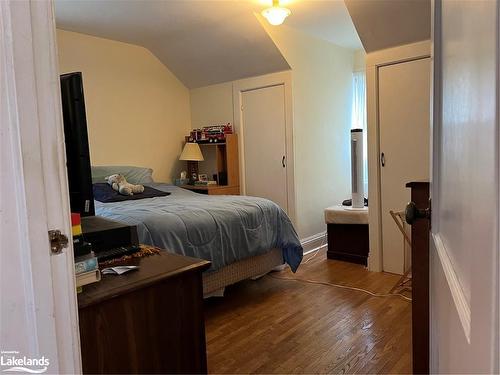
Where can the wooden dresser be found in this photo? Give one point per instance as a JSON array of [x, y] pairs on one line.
[[146, 321]]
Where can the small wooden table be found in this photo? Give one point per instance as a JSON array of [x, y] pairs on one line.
[[347, 230], [213, 189], [148, 320]]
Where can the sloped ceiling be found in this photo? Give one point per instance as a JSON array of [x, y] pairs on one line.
[[388, 23], [206, 42], [200, 42], [328, 20]]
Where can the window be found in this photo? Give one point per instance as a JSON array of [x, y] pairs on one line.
[[359, 117]]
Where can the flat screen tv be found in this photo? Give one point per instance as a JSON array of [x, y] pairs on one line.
[[77, 144]]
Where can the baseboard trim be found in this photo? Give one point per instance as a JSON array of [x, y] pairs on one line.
[[315, 242]]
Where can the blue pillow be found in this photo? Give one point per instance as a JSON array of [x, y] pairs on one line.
[[134, 175]]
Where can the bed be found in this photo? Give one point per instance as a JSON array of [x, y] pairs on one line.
[[242, 236]]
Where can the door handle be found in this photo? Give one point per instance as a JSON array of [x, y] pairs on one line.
[[382, 159], [412, 213], [283, 161]]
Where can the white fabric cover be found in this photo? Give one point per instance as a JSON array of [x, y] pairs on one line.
[[346, 215]]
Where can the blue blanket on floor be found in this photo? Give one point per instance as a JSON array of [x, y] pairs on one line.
[[222, 229]]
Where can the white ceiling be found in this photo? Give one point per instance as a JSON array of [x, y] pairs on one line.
[[328, 20], [206, 41], [389, 23]]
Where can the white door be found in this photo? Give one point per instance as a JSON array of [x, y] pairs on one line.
[[404, 95], [464, 187], [264, 140], [38, 313]]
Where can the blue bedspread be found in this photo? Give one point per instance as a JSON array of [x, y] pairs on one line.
[[222, 229]]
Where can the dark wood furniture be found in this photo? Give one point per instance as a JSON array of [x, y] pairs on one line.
[[420, 279], [145, 321], [348, 242]]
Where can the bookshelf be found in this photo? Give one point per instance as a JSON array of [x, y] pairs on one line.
[[221, 159]]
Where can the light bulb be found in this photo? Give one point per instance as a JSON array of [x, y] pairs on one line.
[[276, 15]]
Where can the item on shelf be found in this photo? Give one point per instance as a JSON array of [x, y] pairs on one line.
[[222, 179], [211, 134], [180, 181], [80, 247], [118, 270], [86, 278], [86, 263], [205, 183], [144, 251]]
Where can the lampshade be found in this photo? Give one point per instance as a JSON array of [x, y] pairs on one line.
[[191, 152]]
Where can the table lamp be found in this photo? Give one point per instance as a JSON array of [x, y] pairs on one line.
[[192, 154]]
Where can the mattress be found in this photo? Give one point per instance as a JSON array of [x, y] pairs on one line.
[[221, 229]]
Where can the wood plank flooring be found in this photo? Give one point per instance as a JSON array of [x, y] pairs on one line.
[[272, 325]]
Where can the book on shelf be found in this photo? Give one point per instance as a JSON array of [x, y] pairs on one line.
[[86, 263], [205, 183], [88, 278]]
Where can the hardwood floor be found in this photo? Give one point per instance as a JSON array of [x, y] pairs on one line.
[[272, 325]]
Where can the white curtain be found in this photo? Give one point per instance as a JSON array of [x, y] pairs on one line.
[[359, 116]]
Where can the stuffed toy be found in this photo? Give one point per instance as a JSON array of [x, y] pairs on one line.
[[120, 184]]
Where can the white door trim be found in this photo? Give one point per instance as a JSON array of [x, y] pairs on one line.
[[254, 83], [374, 61], [31, 106], [457, 292]]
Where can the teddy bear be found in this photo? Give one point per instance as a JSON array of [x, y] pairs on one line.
[[120, 184]]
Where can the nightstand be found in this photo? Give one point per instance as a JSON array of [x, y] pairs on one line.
[[213, 189]]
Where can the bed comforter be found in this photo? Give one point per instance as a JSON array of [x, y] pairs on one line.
[[221, 229]]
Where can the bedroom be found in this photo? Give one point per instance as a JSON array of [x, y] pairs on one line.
[[152, 74], [119, 78]]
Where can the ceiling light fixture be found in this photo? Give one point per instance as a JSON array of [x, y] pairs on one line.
[[276, 14]]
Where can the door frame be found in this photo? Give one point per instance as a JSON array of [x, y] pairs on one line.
[[374, 61], [254, 83], [33, 128]]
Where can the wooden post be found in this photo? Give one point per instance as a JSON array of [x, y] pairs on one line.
[[420, 279]]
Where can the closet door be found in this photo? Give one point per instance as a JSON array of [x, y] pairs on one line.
[[404, 102], [264, 142]]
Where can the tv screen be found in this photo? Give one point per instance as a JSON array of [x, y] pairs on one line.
[[77, 144]]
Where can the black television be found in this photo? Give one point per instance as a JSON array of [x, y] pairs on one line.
[[77, 144]]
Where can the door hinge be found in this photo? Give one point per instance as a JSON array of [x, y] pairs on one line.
[[58, 241]]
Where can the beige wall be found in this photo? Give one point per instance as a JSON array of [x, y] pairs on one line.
[[137, 111], [322, 92], [212, 105]]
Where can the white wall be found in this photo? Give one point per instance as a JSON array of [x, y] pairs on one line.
[[359, 61], [137, 110], [322, 91]]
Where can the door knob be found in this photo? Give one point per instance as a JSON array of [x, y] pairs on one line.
[[283, 161], [412, 213], [382, 159]]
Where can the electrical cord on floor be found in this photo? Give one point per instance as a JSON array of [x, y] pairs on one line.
[[341, 286]]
